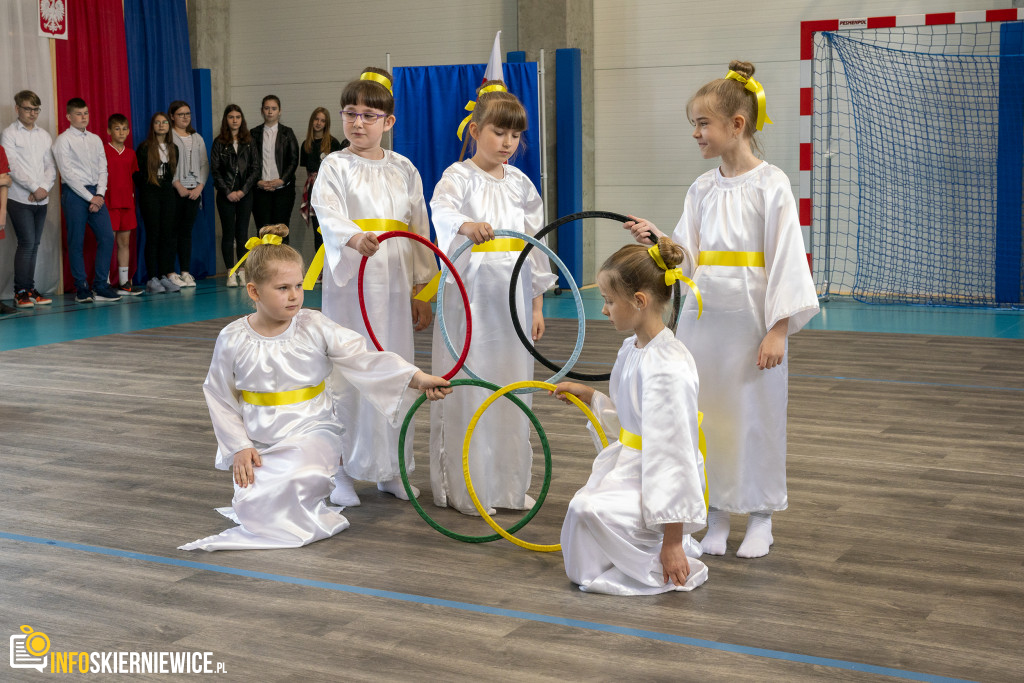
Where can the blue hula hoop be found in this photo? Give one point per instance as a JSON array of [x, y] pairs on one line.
[[580, 313]]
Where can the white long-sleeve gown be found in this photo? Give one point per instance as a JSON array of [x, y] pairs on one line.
[[299, 443], [744, 407], [612, 534], [500, 452], [348, 188]]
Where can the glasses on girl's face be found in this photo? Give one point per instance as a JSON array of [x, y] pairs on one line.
[[368, 117], [184, 115]]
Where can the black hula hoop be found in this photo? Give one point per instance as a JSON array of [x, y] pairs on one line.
[[677, 297]]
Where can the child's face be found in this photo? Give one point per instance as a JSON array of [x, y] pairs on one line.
[[494, 145], [271, 112], [365, 137], [161, 125], [234, 119], [79, 118], [620, 310], [319, 123], [28, 113], [279, 298], [118, 133], [713, 133]]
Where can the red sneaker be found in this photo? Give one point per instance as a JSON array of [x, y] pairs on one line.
[[23, 299], [38, 298]]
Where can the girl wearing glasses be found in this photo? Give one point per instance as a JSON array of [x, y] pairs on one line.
[[360, 191], [189, 179], [472, 199]]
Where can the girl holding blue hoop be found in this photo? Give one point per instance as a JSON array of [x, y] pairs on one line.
[[359, 192], [473, 199], [627, 531]]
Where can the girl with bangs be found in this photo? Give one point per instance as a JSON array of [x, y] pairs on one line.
[[319, 143], [473, 199], [359, 192]]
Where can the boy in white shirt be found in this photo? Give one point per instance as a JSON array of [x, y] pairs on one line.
[[83, 169]]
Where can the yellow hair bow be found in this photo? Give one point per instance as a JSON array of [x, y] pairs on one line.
[[373, 76], [674, 274], [252, 244], [471, 105], [758, 90]]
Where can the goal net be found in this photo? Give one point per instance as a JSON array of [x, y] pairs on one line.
[[918, 148]]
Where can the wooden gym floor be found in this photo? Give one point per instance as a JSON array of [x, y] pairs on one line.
[[901, 556]]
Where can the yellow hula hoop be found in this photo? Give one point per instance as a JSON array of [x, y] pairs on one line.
[[465, 456]]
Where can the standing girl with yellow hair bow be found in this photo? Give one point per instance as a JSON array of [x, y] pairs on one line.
[[741, 223], [269, 393]]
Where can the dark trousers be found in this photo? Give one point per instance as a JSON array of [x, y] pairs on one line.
[[314, 223], [76, 217], [234, 225], [269, 208], [159, 208], [186, 213], [28, 221]]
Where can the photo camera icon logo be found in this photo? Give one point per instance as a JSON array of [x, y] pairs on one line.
[[29, 648]]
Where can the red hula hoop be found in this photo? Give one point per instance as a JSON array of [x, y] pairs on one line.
[[458, 280]]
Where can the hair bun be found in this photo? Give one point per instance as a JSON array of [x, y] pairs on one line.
[[671, 253], [745, 69], [279, 229]]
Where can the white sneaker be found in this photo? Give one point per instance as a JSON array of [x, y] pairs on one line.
[[232, 280], [177, 280], [169, 286], [154, 286], [188, 279], [241, 277]]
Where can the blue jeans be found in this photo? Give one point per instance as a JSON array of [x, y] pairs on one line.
[[28, 221], [76, 216]]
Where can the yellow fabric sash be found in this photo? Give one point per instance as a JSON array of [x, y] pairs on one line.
[[674, 274], [471, 105], [282, 398], [380, 78], [252, 244], [497, 244], [750, 259], [316, 266], [758, 90], [635, 441]]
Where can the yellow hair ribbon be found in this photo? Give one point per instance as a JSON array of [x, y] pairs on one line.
[[758, 90], [471, 105], [673, 274], [252, 244], [379, 78]]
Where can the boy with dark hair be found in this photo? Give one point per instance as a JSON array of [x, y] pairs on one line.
[[83, 170], [32, 174], [120, 198]]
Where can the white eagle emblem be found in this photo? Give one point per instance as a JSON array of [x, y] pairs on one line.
[[52, 12]]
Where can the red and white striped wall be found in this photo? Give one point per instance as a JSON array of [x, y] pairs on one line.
[[807, 31]]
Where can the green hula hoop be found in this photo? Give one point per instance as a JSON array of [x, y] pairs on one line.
[[419, 508]]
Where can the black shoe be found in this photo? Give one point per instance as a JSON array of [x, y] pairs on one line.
[[5, 309]]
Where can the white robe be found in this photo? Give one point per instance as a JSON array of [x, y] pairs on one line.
[[299, 443], [349, 187], [744, 407], [613, 530], [500, 452]]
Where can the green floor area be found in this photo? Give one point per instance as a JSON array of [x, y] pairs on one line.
[[65, 320]]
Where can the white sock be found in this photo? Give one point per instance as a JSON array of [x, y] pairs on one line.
[[122, 272], [395, 487], [714, 540], [344, 493], [758, 538]]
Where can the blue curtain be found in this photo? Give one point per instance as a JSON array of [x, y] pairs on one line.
[[430, 102], [159, 72]]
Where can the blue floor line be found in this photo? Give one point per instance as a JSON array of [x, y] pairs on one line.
[[493, 611]]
